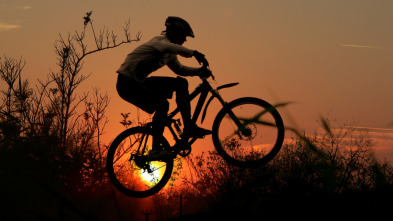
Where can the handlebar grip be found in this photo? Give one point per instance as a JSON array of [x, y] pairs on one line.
[[205, 63], [211, 74]]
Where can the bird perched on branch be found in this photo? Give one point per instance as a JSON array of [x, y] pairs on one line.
[[87, 18]]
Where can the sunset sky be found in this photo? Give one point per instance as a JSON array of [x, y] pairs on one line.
[[329, 58]]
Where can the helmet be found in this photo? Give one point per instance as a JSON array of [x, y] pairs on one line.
[[179, 25]]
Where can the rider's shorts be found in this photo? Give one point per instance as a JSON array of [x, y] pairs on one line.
[[149, 95]]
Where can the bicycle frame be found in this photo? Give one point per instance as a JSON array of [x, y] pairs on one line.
[[203, 90]]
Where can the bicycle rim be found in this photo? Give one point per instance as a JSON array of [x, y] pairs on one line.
[[127, 168], [248, 132]]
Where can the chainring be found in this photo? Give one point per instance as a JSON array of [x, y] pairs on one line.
[[185, 151]]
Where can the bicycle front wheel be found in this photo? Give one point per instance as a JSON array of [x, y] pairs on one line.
[[248, 132], [128, 168]]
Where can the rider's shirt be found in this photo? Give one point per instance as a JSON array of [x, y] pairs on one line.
[[153, 55]]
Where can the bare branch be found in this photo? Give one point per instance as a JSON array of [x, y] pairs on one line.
[[114, 38], [126, 30], [71, 53]]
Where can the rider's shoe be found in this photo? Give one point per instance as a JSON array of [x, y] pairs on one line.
[[159, 155], [196, 132]]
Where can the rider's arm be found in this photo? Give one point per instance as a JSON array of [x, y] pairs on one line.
[[180, 69], [163, 45]]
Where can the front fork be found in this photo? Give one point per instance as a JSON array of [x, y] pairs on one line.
[[239, 124]]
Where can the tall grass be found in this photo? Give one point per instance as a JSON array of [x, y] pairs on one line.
[[330, 173]]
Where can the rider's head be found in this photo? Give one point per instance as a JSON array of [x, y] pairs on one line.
[[177, 29]]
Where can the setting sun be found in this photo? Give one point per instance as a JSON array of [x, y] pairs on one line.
[[152, 177]]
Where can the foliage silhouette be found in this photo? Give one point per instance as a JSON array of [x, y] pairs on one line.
[[333, 172], [51, 153]]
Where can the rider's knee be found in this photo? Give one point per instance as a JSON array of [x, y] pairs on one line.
[[182, 83], [163, 106]]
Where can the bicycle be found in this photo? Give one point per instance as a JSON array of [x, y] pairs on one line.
[[247, 132]]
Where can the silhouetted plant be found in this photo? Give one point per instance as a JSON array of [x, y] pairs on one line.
[[46, 137], [314, 171], [71, 52]]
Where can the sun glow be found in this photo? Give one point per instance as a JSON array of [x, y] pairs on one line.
[[152, 177]]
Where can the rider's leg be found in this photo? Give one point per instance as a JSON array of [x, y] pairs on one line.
[[159, 122], [146, 99], [165, 86], [180, 85], [158, 126], [143, 97]]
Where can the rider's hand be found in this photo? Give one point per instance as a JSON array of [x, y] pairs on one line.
[[200, 58], [204, 72]]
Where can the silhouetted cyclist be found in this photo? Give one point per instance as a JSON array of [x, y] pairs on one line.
[[151, 93]]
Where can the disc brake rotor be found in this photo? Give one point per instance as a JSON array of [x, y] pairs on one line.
[[249, 132]]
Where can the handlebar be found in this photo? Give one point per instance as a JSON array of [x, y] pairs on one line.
[[205, 64]]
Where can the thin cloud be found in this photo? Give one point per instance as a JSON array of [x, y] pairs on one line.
[[7, 27], [24, 7], [360, 46], [373, 129]]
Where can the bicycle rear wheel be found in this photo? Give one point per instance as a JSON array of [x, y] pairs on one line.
[[128, 169], [248, 132]]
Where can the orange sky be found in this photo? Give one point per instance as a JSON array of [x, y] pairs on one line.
[[328, 57]]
